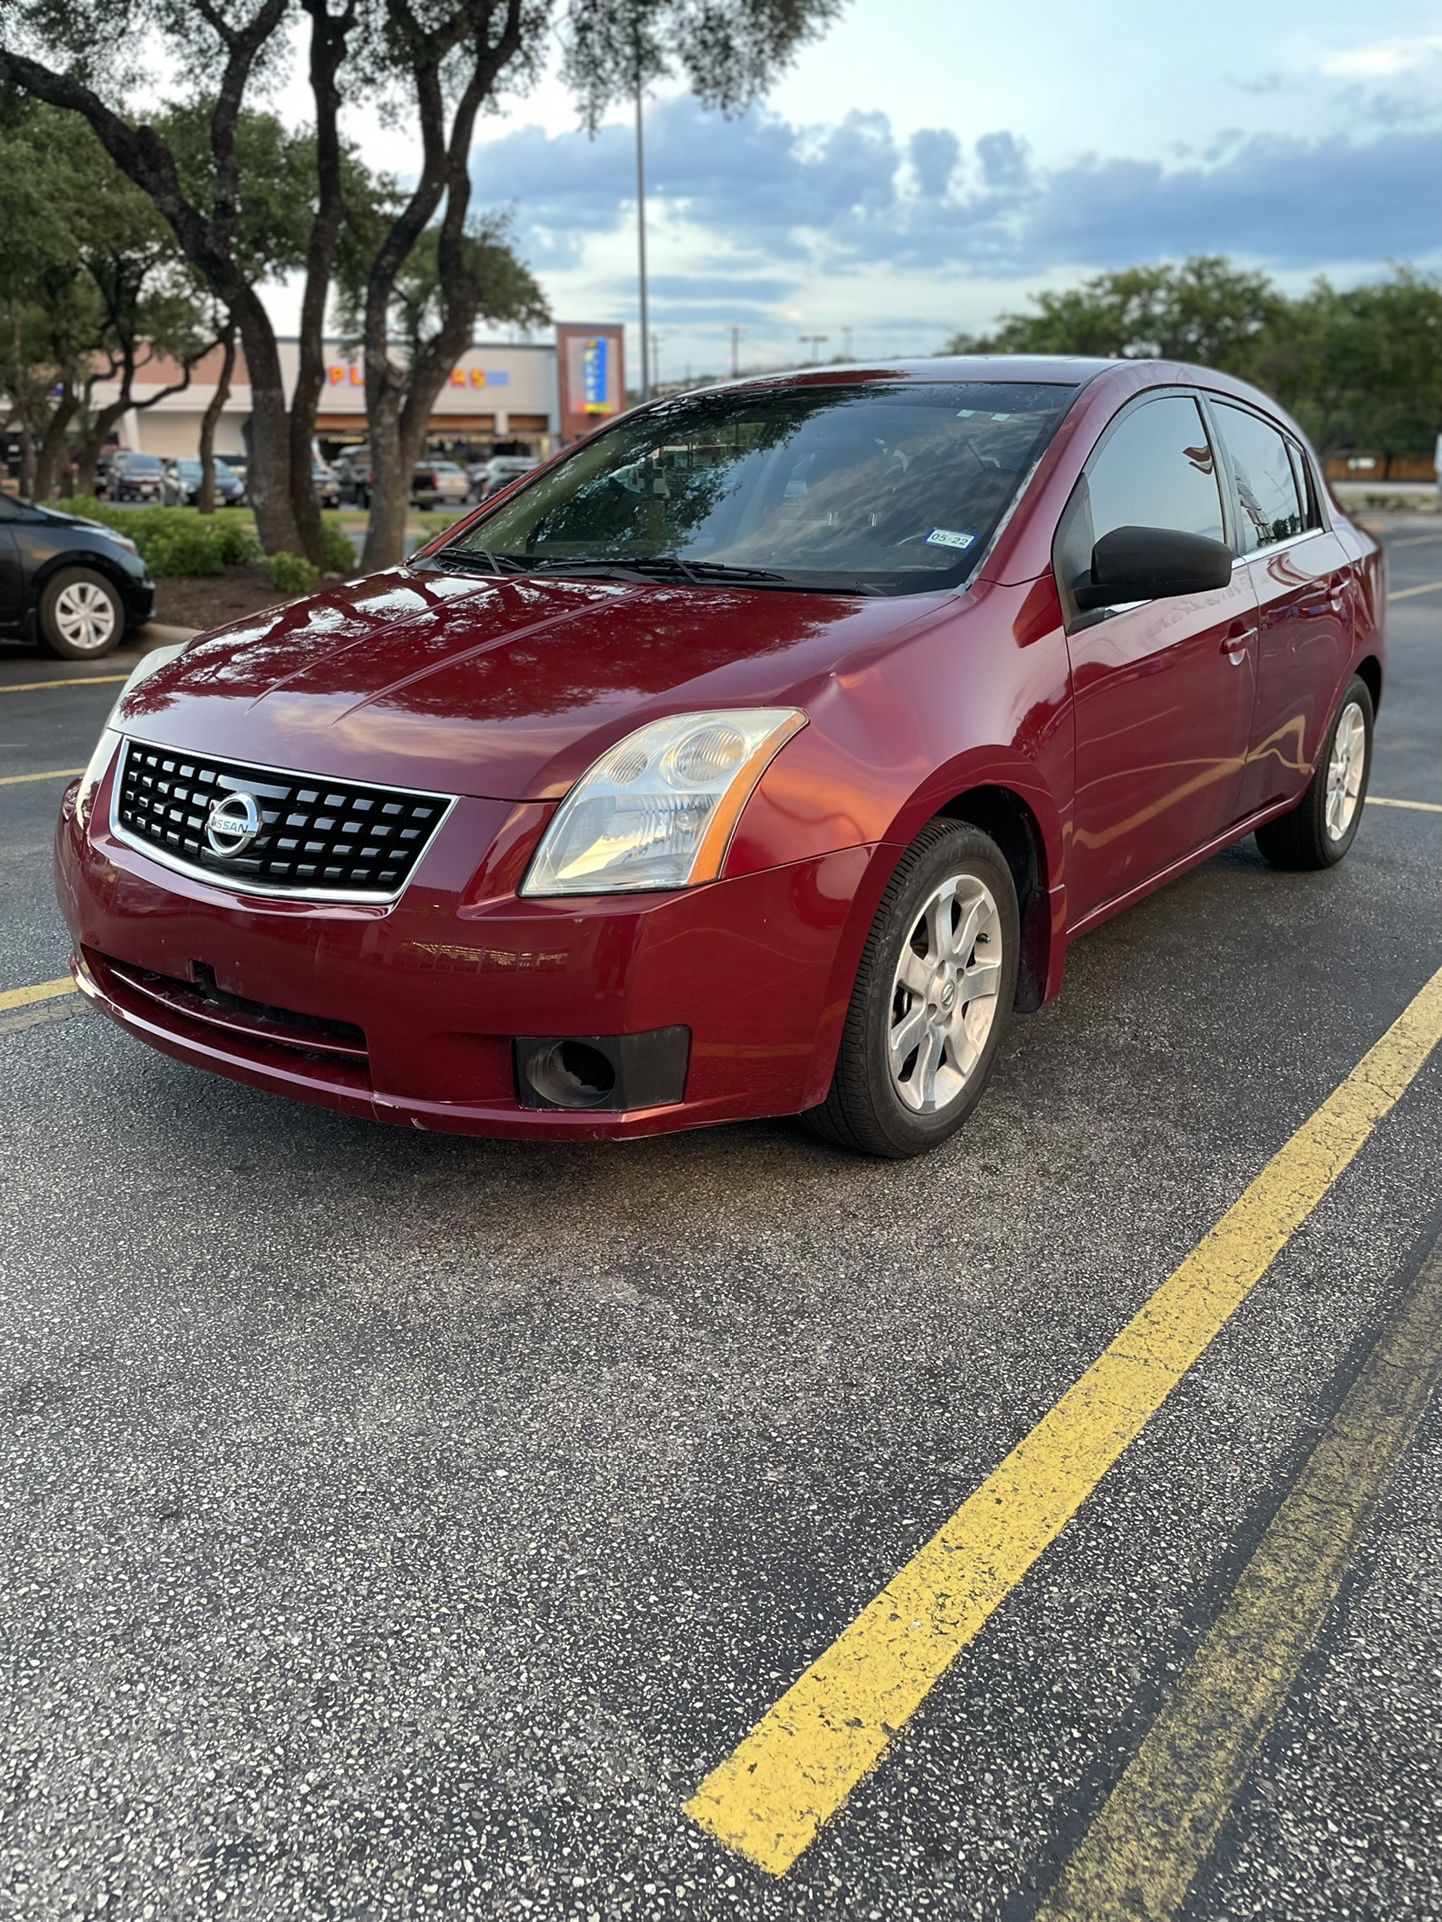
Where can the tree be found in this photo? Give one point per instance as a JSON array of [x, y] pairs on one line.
[[421, 324], [72, 54], [1362, 369], [440, 63], [1206, 311], [96, 290]]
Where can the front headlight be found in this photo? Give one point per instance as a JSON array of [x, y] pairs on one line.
[[658, 809]]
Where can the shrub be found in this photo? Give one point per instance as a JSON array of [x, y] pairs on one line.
[[340, 556], [176, 545], [291, 573], [236, 542]]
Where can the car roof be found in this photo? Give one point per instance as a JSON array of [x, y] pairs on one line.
[[1070, 370]]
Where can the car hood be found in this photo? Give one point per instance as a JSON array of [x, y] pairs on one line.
[[502, 688], [57, 519]]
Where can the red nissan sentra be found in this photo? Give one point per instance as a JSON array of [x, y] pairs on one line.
[[760, 756]]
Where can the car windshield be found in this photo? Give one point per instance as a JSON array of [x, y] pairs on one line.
[[875, 487], [143, 464]]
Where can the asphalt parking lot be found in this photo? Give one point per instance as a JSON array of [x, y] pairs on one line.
[[406, 1526]]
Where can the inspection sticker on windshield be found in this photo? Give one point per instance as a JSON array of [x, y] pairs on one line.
[[948, 537]]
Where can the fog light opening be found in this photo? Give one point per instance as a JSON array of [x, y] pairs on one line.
[[572, 1074]]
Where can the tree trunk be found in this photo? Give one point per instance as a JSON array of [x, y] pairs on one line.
[[52, 444], [27, 460], [391, 489], [327, 52], [92, 446], [268, 473], [210, 420]]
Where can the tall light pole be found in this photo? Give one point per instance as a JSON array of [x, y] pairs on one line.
[[813, 341], [641, 229]]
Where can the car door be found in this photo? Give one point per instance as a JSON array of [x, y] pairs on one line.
[[1162, 690], [11, 569], [1302, 578]]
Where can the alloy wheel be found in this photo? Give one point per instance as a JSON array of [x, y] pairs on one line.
[[944, 994], [1345, 770]]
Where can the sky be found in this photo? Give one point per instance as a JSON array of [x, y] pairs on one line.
[[930, 163]]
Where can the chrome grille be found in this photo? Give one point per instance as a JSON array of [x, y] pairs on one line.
[[315, 836]]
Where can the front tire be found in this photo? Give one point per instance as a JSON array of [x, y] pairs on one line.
[[1323, 825], [932, 1001], [81, 615]]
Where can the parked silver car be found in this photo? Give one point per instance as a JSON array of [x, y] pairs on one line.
[[440, 483]]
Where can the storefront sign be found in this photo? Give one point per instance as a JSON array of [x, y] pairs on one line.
[[348, 374]]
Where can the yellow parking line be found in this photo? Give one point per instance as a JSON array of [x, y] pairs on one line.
[[1139, 1858], [48, 774], [43, 991], [60, 680], [1422, 807], [795, 1769], [1406, 593]]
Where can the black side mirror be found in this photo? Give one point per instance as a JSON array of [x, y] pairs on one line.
[[1151, 564]]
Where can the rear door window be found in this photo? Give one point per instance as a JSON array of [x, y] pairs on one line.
[[1269, 508]]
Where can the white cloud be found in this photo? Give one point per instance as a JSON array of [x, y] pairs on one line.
[[1382, 59]]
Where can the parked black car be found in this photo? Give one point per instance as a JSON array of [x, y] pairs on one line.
[[71, 584], [182, 484], [134, 477]]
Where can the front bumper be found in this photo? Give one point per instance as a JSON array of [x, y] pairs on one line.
[[411, 1013], [139, 599]]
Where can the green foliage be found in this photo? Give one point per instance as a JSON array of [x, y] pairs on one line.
[[339, 554], [510, 295], [1206, 311], [174, 540], [436, 522], [1359, 369], [175, 546], [291, 573]]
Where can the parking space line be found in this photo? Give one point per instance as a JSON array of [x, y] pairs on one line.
[[770, 1797], [42, 991], [1422, 807], [47, 774], [1142, 1852], [1415, 540], [1406, 593], [60, 680]]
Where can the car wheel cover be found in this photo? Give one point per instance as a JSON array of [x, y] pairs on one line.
[[944, 994], [1345, 769], [84, 616]]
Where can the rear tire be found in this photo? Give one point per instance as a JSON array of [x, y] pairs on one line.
[[938, 971], [1323, 825], [82, 616]]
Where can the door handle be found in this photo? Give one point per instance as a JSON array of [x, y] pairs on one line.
[[1234, 641]]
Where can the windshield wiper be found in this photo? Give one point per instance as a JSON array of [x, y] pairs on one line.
[[463, 561], [672, 567], [644, 567]]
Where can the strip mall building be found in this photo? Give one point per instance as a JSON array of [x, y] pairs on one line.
[[509, 397]]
